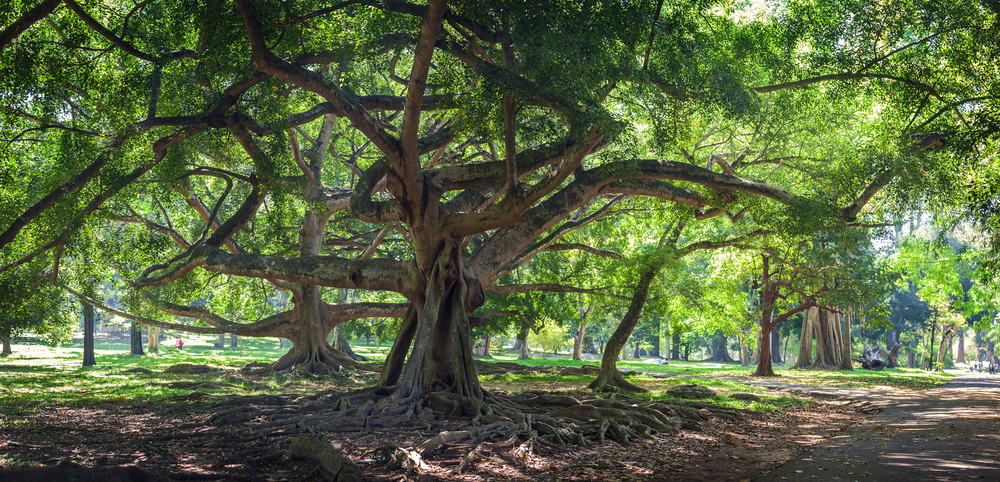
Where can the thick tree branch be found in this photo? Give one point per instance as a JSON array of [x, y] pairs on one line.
[[270, 326], [24, 22]]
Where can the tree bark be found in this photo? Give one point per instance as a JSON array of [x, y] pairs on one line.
[[809, 321], [6, 346], [845, 340], [929, 355], [609, 378], [578, 342], [523, 352], [776, 347], [911, 359], [342, 345], [720, 353], [945, 337], [135, 336], [153, 340], [234, 340], [960, 356], [88, 335], [675, 345]]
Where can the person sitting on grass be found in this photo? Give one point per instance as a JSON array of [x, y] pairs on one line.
[[180, 344]]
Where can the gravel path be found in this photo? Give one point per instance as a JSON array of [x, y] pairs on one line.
[[948, 433]]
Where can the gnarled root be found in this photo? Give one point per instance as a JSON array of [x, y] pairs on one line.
[[342, 468], [613, 381], [320, 361], [511, 426]]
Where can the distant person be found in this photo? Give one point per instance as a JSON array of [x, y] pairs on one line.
[[180, 344]]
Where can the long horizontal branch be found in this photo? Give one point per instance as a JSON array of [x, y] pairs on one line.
[[269, 326], [366, 274]]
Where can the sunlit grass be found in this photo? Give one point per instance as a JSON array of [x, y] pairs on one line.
[[39, 377], [893, 378]]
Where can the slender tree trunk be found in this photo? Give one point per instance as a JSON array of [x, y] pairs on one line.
[[945, 337], [845, 340], [609, 378], [221, 343], [675, 345], [911, 359], [764, 367], [6, 346], [655, 350], [776, 346], [342, 345], [930, 347], [578, 342], [393, 366], [785, 349], [135, 335], [88, 335], [960, 356], [234, 341], [744, 349]]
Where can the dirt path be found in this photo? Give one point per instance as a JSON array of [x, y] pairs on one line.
[[949, 433]]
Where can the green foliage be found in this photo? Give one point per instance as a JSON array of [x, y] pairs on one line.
[[551, 338]]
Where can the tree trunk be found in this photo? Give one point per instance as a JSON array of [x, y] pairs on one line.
[[764, 367], [945, 337], [588, 345], [776, 347], [135, 335], [828, 341], [960, 356], [221, 343], [234, 341], [609, 378], [153, 340], [342, 345], [88, 335], [309, 333], [911, 359], [675, 345], [578, 342], [744, 349], [6, 346], [523, 352], [990, 355], [720, 353], [655, 338], [929, 354], [441, 356], [784, 351], [845, 340], [809, 321]]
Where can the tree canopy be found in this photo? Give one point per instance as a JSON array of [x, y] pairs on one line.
[[208, 155]]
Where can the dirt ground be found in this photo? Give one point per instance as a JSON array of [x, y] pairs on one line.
[[176, 442]]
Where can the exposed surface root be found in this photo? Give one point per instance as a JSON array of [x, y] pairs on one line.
[[523, 424]]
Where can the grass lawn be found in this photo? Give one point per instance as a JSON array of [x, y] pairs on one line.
[[38, 376]]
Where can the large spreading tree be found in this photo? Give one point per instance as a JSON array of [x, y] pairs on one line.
[[218, 152]]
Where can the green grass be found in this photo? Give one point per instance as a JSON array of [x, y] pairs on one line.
[[893, 378], [38, 377]]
